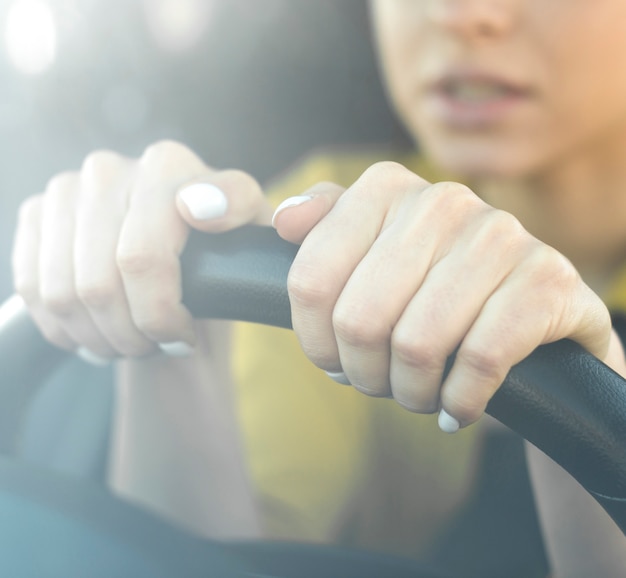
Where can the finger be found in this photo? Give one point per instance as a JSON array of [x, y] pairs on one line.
[[331, 252], [296, 216], [220, 201], [532, 306], [25, 264], [57, 290], [152, 238], [446, 305], [373, 300], [25, 256], [105, 181], [482, 362]]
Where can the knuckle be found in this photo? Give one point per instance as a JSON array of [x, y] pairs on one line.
[[162, 147], [501, 232], [95, 294], [394, 174], [550, 268], [62, 184], [101, 161], [482, 364], [305, 287], [29, 209], [165, 154], [385, 168], [453, 196], [359, 328], [505, 224], [59, 303], [448, 189], [457, 202], [417, 353], [502, 228], [556, 261], [137, 261]]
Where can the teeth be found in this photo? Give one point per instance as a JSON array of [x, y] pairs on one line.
[[475, 91]]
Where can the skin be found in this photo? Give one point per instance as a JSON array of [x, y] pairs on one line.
[[554, 161]]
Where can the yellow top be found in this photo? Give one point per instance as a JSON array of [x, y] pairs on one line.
[[329, 463]]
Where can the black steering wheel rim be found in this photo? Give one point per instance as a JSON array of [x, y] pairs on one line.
[[561, 398]]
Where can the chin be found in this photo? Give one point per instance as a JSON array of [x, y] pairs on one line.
[[476, 159]]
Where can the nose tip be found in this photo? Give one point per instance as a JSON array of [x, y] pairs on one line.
[[476, 18]]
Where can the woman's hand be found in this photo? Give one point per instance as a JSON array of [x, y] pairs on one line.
[[395, 274], [96, 256]]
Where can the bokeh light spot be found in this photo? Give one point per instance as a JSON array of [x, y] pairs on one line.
[[30, 36], [178, 25]]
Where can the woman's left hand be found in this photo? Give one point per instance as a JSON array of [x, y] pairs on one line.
[[395, 274]]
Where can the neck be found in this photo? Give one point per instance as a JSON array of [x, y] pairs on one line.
[[577, 206]]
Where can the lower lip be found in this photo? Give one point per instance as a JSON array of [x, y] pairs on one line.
[[473, 115]]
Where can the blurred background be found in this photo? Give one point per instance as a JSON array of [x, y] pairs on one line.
[[246, 83]]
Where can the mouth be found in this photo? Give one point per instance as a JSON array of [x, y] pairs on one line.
[[475, 91], [470, 100]]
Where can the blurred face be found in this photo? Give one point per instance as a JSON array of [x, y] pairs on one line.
[[505, 87]]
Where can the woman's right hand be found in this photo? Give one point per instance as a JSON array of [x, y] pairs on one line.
[[96, 256]]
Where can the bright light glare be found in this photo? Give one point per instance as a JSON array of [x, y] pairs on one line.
[[10, 309], [30, 36], [177, 25]]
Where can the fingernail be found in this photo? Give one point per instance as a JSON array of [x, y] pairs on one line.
[[204, 201], [92, 358], [339, 377], [447, 423], [176, 348], [290, 202]]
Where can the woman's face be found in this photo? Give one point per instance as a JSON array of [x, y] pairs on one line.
[[505, 87]]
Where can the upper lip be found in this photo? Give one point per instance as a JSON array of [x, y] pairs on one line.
[[449, 78]]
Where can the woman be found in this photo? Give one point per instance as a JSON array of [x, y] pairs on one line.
[[525, 101]]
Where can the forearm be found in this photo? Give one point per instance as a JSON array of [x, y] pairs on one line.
[[176, 444], [581, 539]]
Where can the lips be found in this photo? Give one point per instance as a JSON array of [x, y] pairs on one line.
[[475, 91], [475, 100]]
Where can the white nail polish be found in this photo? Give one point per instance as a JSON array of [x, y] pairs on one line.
[[339, 377], [204, 201], [92, 358], [176, 348], [291, 202], [447, 423]]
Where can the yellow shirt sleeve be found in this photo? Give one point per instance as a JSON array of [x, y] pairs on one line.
[[328, 463]]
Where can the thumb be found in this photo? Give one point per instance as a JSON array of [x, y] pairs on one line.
[[295, 217], [222, 201]]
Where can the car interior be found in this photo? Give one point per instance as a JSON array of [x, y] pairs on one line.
[[59, 519]]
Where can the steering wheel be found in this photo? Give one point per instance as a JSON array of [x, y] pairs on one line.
[[561, 398]]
